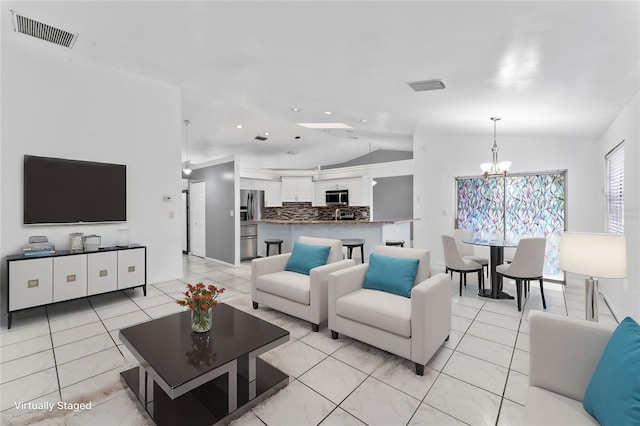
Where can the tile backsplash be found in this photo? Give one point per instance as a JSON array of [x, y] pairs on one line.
[[305, 211]]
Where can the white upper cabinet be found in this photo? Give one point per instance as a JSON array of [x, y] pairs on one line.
[[272, 194], [245, 183], [255, 184], [297, 189], [360, 190], [320, 187]]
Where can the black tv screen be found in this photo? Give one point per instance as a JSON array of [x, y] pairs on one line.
[[57, 190]]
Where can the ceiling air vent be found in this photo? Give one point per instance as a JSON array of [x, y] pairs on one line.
[[261, 138], [422, 86], [28, 26]]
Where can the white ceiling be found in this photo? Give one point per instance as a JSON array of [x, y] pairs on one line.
[[547, 68]]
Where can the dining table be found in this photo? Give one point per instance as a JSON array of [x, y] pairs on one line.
[[496, 252]]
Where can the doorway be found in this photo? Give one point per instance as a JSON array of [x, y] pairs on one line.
[[185, 222], [197, 209]]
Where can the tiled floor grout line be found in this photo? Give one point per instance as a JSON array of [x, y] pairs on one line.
[[53, 353], [506, 382], [443, 367]]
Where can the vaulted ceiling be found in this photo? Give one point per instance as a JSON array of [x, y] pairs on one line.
[[547, 68]]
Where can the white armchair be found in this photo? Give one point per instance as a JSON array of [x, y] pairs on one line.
[[302, 296], [413, 328], [563, 354]]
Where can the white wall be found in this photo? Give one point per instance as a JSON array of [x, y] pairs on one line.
[[56, 105], [624, 295], [440, 158]]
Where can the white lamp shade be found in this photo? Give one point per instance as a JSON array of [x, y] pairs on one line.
[[594, 255], [187, 168], [504, 166], [485, 167]]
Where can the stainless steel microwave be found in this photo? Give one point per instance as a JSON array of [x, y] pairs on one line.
[[337, 198]]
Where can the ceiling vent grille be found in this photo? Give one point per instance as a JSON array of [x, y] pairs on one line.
[[422, 86], [28, 26], [261, 138]]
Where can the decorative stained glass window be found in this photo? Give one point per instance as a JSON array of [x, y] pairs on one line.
[[515, 207]]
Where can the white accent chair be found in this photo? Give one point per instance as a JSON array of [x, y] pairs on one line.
[[413, 328], [454, 262], [527, 264], [302, 296], [563, 354], [466, 250]]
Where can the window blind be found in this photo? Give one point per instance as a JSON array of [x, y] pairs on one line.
[[615, 189]]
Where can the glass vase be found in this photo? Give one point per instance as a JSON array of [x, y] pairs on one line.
[[201, 319]]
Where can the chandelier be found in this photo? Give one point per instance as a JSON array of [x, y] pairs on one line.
[[495, 168], [187, 165]]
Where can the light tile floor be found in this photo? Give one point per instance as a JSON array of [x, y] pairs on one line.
[[71, 352]]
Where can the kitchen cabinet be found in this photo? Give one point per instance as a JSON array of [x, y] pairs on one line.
[[245, 183], [272, 194], [335, 185], [320, 187], [360, 190], [253, 184], [297, 189], [272, 190]]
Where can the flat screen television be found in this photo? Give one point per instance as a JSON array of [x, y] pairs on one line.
[[58, 190]]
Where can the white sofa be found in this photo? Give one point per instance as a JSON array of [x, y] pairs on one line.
[[413, 328], [302, 296], [563, 354]]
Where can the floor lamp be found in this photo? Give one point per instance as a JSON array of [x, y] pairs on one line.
[[596, 256]]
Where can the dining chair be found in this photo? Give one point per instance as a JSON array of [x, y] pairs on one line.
[[466, 250], [454, 262], [527, 264]]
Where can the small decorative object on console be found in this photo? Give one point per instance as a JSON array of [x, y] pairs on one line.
[[76, 240], [201, 299], [38, 246]]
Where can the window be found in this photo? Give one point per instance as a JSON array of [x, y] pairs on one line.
[[516, 206], [615, 189]]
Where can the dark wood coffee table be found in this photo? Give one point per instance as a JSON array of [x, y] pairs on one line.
[[202, 378]]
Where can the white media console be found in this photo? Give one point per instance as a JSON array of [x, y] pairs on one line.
[[65, 275]]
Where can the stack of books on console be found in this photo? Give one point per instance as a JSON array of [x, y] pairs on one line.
[[39, 249]]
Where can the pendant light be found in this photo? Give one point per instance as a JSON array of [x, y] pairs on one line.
[[495, 168], [187, 165]]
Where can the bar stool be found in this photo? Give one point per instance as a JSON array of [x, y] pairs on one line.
[[271, 242], [394, 243], [351, 244]]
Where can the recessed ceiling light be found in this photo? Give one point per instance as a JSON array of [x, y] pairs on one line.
[[364, 120], [238, 126], [325, 125], [266, 133], [328, 112], [295, 109]]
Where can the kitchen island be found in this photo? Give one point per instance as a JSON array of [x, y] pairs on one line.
[[374, 232]]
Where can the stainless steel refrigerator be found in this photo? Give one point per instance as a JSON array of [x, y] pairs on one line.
[[251, 210]]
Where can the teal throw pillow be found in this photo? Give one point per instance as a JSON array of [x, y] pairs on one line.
[[305, 257], [391, 274], [613, 394]]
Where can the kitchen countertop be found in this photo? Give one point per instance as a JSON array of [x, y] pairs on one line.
[[335, 222]]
